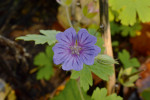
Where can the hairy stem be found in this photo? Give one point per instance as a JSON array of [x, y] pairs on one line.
[[68, 17]]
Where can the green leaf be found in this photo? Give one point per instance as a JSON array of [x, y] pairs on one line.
[[115, 43], [92, 29], [128, 9], [125, 79], [44, 73], [111, 15], [100, 43], [65, 3], [135, 62], [105, 59], [91, 15], [101, 94], [85, 77], [48, 36], [130, 30], [146, 94], [125, 75], [44, 61], [85, 10], [125, 30], [115, 28], [126, 61], [101, 70], [87, 14], [68, 2], [71, 92]]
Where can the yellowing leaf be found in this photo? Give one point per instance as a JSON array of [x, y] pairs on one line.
[[7, 93], [124, 78]]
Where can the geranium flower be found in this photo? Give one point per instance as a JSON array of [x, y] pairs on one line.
[[73, 50]]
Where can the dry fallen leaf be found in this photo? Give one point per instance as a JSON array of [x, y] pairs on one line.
[[144, 81], [141, 43], [7, 93]]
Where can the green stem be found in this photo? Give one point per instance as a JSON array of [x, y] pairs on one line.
[[68, 17], [82, 98]]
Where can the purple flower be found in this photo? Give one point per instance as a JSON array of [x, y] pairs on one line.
[[73, 50]]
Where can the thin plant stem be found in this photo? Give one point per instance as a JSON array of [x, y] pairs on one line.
[[68, 17], [82, 98]]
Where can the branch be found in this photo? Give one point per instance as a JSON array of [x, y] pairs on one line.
[[106, 34]]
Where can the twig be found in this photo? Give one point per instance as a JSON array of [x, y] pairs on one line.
[[54, 92], [104, 21], [17, 48]]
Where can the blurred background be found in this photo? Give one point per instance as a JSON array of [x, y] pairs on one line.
[[22, 79]]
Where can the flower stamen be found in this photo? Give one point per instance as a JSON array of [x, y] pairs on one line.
[[75, 49]]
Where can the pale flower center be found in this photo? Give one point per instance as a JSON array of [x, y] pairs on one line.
[[75, 49]]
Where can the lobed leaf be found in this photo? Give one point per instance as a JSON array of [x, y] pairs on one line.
[[130, 30], [71, 92], [125, 30], [48, 36], [85, 77], [44, 73], [126, 61], [101, 94], [128, 9], [44, 61], [101, 70]]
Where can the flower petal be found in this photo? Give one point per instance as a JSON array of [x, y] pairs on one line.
[[73, 62], [87, 59], [84, 38], [60, 53], [88, 54], [67, 37], [97, 50]]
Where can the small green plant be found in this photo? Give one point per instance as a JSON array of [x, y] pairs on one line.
[[128, 74], [44, 61]]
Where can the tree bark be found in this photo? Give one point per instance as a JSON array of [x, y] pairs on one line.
[[106, 34]]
